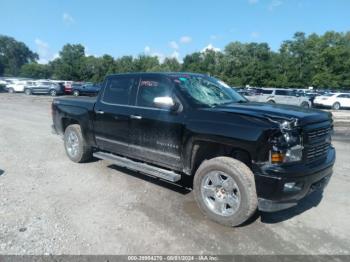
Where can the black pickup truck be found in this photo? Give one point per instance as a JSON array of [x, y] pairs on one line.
[[239, 156]]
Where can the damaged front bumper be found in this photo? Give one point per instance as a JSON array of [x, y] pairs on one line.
[[283, 186]]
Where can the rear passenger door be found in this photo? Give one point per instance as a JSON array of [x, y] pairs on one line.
[[156, 133], [112, 114], [281, 97], [344, 100]]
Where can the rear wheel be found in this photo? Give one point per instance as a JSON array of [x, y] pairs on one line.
[[11, 90], [336, 106], [76, 147], [53, 92], [76, 93], [28, 91], [224, 189], [305, 105]]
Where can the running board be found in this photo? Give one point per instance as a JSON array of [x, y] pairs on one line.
[[139, 166]]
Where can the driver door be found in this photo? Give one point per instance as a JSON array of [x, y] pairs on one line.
[[156, 133]]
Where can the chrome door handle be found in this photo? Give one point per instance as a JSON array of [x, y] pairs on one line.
[[99, 112], [135, 117]]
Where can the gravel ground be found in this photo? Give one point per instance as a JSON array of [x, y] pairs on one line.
[[50, 205]]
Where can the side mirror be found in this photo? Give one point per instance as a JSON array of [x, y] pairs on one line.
[[166, 102]]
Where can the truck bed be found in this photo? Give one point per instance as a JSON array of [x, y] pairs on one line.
[[81, 101]]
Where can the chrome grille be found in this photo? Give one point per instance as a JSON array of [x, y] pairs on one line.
[[317, 142], [317, 151], [319, 133]]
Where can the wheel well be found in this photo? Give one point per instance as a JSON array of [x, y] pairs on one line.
[[68, 121], [206, 150]]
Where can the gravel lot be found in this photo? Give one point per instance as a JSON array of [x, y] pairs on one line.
[[50, 205]]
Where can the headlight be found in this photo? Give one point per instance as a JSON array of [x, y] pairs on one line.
[[286, 144]]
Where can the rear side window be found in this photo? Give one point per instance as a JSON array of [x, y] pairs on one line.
[[151, 87], [117, 90], [344, 96], [281, 92], [267, 92]]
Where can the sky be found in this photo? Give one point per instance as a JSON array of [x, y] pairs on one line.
[[165, 28]]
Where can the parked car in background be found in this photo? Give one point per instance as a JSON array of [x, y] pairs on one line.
[[16, 86], [85, 89], [44, 87], [281, 96], [335, 101], [67, 87]]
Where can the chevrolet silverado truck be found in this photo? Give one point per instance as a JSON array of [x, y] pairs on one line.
[[239, 156]]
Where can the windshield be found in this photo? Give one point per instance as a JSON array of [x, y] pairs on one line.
[[207, 91]]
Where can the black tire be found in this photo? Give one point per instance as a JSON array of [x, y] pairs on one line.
[[76, 93], [336, 106], [84, 151], [53, 92], [28, 91], [305, 105], [244, 179], [11, 90]]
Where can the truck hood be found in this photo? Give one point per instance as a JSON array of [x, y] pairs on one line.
[[264, 110]]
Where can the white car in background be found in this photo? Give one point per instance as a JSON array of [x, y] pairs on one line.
[[16, 86], [335, 101]]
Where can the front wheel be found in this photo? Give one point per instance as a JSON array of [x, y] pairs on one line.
[[76, 93], [53, 92], [224, 189], [11, 90], [336, 106], [305, 105], [76, 146], [28, 92]]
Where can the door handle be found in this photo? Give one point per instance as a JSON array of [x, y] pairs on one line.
[[99, 112], [136, 117]]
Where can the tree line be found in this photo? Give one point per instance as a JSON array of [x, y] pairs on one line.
[[321, 61]]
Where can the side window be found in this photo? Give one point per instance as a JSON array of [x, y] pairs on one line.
[[267, 92], [150, 88], [281, 92], [344, 96], [117, 90]]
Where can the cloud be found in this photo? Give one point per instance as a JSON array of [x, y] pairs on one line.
[[211, 47], [147, 49], [253, 2], [185, 39], [42, 48], [214, 37], [67, 18], [254, 34], [274, 4], [173, 45]]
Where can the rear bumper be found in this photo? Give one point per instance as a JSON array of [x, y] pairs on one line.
[[68, 90], [281, 188]]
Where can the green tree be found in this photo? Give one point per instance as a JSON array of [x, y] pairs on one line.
[[36, 71], [70, 63], [13, 55]]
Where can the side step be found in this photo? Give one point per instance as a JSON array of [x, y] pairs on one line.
[[139, 166]]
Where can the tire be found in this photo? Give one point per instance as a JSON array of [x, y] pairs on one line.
[[305, 105], [28, 91], [243, 190], [11, 90], [53, 92], [75, 145], [336, 106], [76, 93]]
